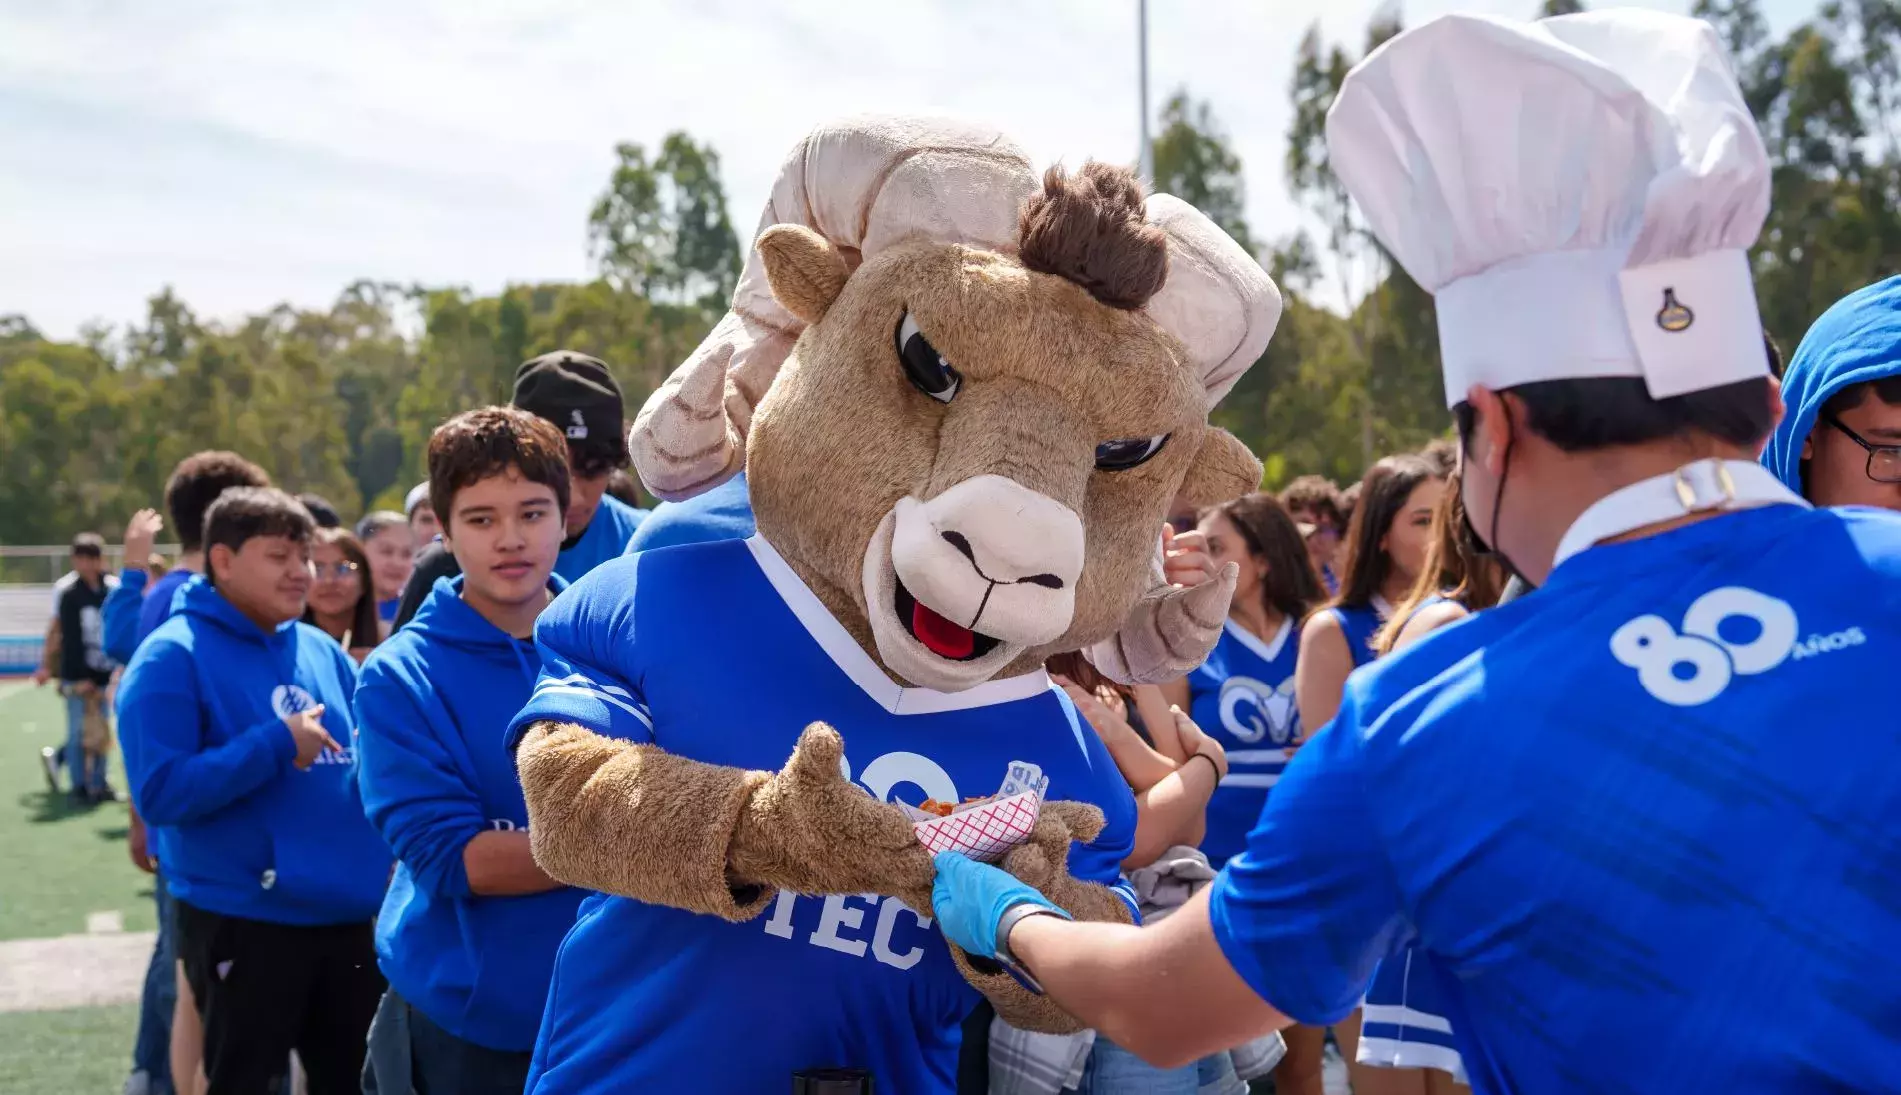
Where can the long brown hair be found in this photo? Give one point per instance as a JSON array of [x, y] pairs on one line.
[[1456, 568], [1292, 586], [365, 630], [1085, 676], [1383, 493]]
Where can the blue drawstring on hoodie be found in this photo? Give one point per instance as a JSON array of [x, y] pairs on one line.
[[1856, 341]]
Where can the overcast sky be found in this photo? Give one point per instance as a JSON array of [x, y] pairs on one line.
[[249, 153]]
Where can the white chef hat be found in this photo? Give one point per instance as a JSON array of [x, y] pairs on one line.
[[1578, 193]]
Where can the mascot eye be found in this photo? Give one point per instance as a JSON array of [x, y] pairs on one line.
[[924, 365], [1128, 452]]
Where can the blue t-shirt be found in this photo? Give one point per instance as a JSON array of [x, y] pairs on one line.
[[1641, 826], [1243, 696], [725, 656], [606, 538]]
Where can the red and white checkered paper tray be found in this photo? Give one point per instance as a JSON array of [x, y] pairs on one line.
[[987, 829]]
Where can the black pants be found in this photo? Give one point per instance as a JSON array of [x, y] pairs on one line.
[[265, 989]]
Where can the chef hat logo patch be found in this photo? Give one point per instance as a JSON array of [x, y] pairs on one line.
[[1673, 316]]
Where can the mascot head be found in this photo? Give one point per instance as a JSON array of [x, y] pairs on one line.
[[973, 399]]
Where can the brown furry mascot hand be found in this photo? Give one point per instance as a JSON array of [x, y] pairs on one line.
[[632, 819], [812, 831], [1041, 862]]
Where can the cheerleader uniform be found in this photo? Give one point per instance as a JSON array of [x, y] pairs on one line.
[[1243, 696]]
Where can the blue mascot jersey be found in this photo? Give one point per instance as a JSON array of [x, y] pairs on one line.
[[1642, 826], [1243, 696], [724, 656]]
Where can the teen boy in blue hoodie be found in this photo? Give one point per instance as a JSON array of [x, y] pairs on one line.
[[1839, 443], [468, 932], [132, 612], [233, 715]]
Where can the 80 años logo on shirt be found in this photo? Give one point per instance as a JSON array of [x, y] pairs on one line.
[[1695, 666]]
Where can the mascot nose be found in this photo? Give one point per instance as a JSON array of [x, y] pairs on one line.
[[962, 544], [1009, 533], [994, 556]]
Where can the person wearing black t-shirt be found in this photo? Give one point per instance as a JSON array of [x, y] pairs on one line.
[[85, 670]]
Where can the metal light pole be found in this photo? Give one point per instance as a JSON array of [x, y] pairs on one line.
[[1147, 158]]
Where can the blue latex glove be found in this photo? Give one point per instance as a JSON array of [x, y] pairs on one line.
[[969, 898]]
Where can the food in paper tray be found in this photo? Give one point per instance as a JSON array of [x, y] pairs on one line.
[[946, 809], [987, 827]]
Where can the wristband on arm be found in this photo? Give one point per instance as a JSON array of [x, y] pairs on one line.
[[1011, 917], [1211, 764]]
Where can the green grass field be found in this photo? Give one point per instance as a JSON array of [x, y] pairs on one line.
[[83, 1051], [58, 864]]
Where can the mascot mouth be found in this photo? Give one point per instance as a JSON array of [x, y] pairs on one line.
[[942, 637], [917, 644]]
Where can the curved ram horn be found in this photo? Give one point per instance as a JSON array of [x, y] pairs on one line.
[[1223, 308], [863, 184], [1217, 300]]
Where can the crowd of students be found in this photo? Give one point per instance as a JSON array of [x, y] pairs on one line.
[[341, 863], [248, 669], [1510, 860]]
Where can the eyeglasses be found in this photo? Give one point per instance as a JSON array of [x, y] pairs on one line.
[[334, 572], [1884, 461]]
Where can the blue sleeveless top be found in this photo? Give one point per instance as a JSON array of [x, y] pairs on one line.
[[1359, 624]]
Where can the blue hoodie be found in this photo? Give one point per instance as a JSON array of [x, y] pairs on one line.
[[434, 707], [119, 616], [209, 757], [131, 614], [723, 513], [1855, 341], [604, 538]]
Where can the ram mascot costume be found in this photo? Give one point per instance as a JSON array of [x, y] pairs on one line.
[[965, 398]]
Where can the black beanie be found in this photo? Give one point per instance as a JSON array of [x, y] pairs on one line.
[[573, 391]]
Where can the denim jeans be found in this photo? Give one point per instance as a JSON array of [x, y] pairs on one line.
[[1112, 1070], [86, 773], [151, 1050], [410, 1055]]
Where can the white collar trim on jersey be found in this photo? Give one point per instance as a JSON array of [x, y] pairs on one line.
[[1266, 651], [1693, 488], [867, 674]]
